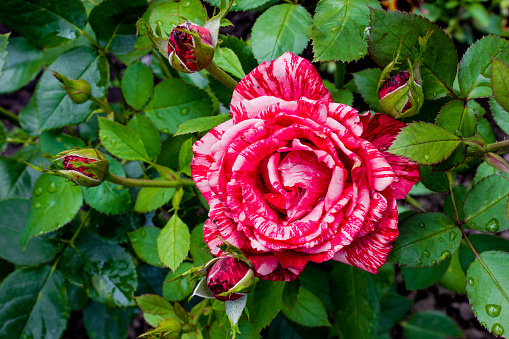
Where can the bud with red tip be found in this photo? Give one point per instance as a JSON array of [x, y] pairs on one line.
[[86, 167], [190, 47], [225, 274]]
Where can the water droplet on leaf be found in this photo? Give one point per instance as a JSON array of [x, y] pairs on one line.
[[234, 3], [159, 115], [426, 157], [483, 323], [52, 187], [440, 239], [186, 4], [421, 225], [37, 205], [497, 329], [113, 143], [493, 310], [419, 262], [471, 281], [165, 130], [184, 111], [104, 138], [445, 254], [426, 253], [38, 191], [143, 233], [434, 262], [452, 236], [492, 225]]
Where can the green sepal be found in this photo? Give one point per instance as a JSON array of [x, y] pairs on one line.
[[244, 286], [159, 43], [79, 91]]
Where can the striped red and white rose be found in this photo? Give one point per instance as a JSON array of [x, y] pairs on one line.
[[294, 177]]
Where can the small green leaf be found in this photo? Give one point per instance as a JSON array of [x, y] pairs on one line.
[[185, 156], [33, 304], [170, 14], [355, 299], [199, 250], [173, 242], [484, 170], [424, 143], [45, 23], [340, 29], [431, 325], [488, 292], [500, 82], [485, 204], [264, 303], [204, 124], [366, 82], [151, 198], [434, 180], [500, 115], [137, 85], [475, 65], [228, 60], [425, 239], [178, 289], [102, 321], [54, 204], [175, 102], [4, 40], [242, 50], [457, 118], [121, 141], [23, 63], [144, 242], [288, 25], [419, 278], [309, 310], [148, 134], [154, 304]]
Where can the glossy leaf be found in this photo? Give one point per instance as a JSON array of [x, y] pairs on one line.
[[52, 103], [389, 28], [500, 115], [424, 143], [169, 14], [14, 214], [33, 304], [488, 292], [148, 134], [178, 289], [340, 29], [24, 61], [122, 141], [485, 204], [106, 322], [173, 243], [175, 102], [474, 69], [431, 325], [425, 240], [420, 278], [309, 310], [144, 242], [288, 25], [226, 59], [137, 85], [434, 180], [366, 82], [356, 302], [264, 303], [457, 118], [204, 124], [54, 204], [45, 23]]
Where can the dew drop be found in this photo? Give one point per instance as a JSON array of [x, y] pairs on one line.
[[493, 310], [452, 236], [421, 225], [475, 313], [445, 254], [419, 262], [434, 94], [159, 115], [37, 205], [104, 138], [71, 216], [440, 239], [38, 191], [492, 225], [186, 4], [360, 53], [426, 157], [434, 262], [52, 187], [165, 130], [113, 143], [497, 329], [426, 253], [234, 3], [471, 281], [483, 324], [184, 111], [143, 233]]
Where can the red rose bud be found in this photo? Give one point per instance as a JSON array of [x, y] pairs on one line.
[[401, 95], [79, 91], [190, 48], [86, 167], [229, 275]]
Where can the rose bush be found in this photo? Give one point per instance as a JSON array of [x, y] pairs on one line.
[[294, 177]]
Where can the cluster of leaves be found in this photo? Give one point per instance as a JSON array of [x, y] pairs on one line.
[[120, 242]]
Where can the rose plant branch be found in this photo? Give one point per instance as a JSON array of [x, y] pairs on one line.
[[221, 75], [9, 116], [147, 183]]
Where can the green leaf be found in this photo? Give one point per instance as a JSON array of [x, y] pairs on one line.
[[500, 115], [55, 141], [454, 278], [154, 304], [434, 180], [173, 242], [460, 192], [109, 198], [484, 170], [389, 28], [52, 103], [16, 178], [33, 304], [500, 82], [420, 278], [264, 303], [430, 325], [45, 23], [288, 25], [481, 243], [4, 40], [204, 124], [488, 291], [226, 59], [170, 14], [424, 240], [137, 85], [315, 279], [457, 118], [28, 118], [178, 289], [106, 322], [242, 5], [104, 269], [485, 204], [185, 156], [199, 250], [14, 214], [355, 299], [114, 24], [144, 242], [175, 102], [309, 310], [242, 50], [24, 61], [151, 198], [121, 141], [393, 309], [290, 294], [340, 29], [474, 69], [54, 204], [424, 143], [148, 134]]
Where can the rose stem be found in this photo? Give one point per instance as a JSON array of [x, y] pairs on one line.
[[147, 183], [221, 75]]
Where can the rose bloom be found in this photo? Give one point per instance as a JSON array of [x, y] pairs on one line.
[[294, 177]]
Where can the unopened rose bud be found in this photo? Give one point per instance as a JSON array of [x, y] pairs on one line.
[[190, 48], [79, 91], [86, 167], [401, 95], [227, 276]]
